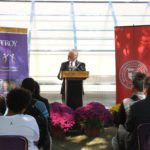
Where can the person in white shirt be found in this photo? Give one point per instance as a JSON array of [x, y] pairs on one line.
[[119, 141], [15, 122]]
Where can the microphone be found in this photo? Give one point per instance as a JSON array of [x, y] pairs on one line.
[[82, 68]]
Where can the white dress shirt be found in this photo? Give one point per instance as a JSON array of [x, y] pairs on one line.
[[72, 64]]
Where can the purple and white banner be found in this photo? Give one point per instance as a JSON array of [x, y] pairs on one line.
[[13, 55], [13, 58]]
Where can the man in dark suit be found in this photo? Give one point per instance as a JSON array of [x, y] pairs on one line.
[[71, 65], [139, 113]]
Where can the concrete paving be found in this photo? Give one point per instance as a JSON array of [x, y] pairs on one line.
[[107, 98]]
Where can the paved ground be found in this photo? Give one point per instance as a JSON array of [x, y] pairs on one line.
[[82, 142], [105, 97]]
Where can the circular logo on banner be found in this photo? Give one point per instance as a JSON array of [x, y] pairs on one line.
[[128, 70]]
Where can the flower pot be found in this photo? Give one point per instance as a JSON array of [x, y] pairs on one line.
[[92, 131], [58, 133]]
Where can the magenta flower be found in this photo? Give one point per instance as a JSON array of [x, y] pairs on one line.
[[92, 114], [62, 116]]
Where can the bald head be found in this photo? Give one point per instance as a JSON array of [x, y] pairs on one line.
[[72, 55]]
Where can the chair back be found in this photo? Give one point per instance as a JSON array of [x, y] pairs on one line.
[[13, 142], [143, 133]]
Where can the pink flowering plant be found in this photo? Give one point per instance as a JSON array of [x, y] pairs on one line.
[[62, 116], [93, 114]]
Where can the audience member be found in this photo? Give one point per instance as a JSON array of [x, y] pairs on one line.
[[15, 122], [38, 110], [118, 142], [36, 95], [29, 84], [139, 113]]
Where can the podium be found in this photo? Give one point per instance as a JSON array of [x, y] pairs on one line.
[[74, 87]]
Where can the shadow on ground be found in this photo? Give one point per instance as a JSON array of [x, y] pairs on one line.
[[82, 142]]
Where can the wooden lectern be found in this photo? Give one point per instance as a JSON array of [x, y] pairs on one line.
[[74, 87]]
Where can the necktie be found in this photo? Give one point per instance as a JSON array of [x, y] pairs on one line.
[[71, 66]]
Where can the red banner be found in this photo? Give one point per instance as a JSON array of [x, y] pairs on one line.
[[132, 46]]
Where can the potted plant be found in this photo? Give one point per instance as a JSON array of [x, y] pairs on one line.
[[114, 111], [92, 117], [62, 118]]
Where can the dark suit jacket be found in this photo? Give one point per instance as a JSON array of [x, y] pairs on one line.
[[80, 66], [139, 113]]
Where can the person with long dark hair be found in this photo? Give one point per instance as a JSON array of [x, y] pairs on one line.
[[37, 95], [38, 110]]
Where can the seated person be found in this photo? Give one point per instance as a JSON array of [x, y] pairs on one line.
[[36, 95], [138, 94], [38, 110], [29, 84], [139, 113], [15, 122]]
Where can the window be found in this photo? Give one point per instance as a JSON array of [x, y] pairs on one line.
[[56, 26]]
